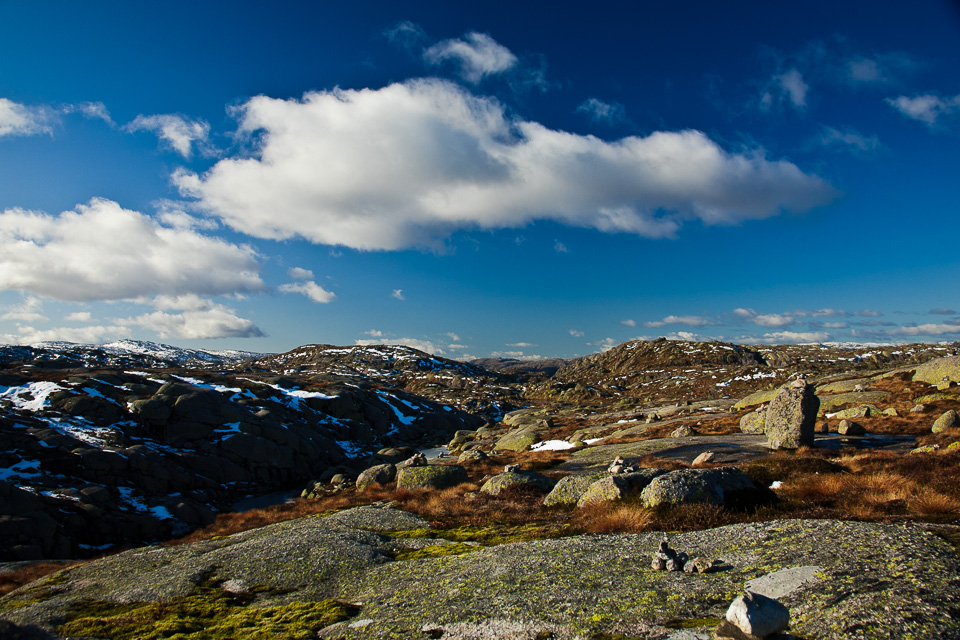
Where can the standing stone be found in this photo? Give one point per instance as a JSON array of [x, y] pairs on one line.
[[850, 428], [792, 416]]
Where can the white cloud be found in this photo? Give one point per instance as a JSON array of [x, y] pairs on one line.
[[684, 336], [101, 251], [835, 325], [795, 336], [878, 69], [605, 345], [522, 345], [576, 334], [943, 312], [848, 139], [84, 335], [27, 311], [690, 321], [926, 108], [408, 35], [415, 343], [477, 54], [559, 247], [397, 294], [926, 330], [452, 336], [298, 273], [628, 323], [214, 321], [457, 347], [374, 333], [605, 112], [408, 164], [516, 355], [768, 319], [20, 120], [179, 132], [310, 289], [91, 110], [788, 86], [79, 316]]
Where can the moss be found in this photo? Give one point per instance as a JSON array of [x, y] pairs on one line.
[[436, 551], [488, 536], [691, 623], [208, 613]]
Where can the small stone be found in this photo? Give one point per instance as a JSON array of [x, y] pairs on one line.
[[658, 563], [890, 411], [683, 432], [920, 408], [510, 468], [850, 428], [700, 565], [704, 458]]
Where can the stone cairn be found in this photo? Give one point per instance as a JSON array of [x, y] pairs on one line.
[[667, 559], [619, 465]]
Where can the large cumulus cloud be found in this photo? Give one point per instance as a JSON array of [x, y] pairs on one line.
[[410, 163]]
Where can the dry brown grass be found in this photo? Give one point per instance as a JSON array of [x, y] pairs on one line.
[[15, 579], [600, 517]]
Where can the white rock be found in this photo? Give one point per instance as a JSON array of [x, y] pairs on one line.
[[758, 615]]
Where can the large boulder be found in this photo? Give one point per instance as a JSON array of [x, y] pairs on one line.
[[530, 479], [721, 486], [792, 417], [517, 440], [620, 486], [435, 476], [378, 474], [944, 422], [571, 488], [936, 370]]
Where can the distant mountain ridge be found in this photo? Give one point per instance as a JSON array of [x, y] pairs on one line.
[[121, 353]]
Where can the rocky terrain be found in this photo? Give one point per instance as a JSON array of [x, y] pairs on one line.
[[119, 445]]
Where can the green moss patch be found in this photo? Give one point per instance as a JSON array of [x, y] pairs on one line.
[[436, 551], [208, 613], [691, 623], [488, 536]]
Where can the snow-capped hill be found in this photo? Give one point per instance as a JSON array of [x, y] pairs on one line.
[[122, 353], [178, 355]]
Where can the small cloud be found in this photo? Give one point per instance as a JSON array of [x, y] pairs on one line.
[[457, 346], [406, 34], [785, 87], [298, 273], [79, 316], [414, 343], [452, 336], [835, 325], [91, 110], [522, 345], [684, 336], [20, 120], [397, 294], [178, 132], [690, 321], [212, 321], [943, 312], [926, 330], [374, 333], [576, 334], [310, 289], [477, 55], [599, 111], [848, 140], [879, 69], [927, 108], [559, 247], [796, 336], [27, 311], [605, 345], [628, 323], [867, 313]]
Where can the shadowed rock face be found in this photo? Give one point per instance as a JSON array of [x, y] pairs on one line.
[[884, 581]]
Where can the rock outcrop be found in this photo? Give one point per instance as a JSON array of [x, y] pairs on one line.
[[884, 581]]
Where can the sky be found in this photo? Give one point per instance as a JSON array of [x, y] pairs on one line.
[[506, 179]]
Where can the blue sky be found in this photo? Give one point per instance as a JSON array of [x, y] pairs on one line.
[[483, 180]]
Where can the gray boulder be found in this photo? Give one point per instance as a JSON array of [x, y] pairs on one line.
[[434, 476], [944, 422], [378, 474], [753, 422], [620, 486], [472, 455], [532, 479], [934, 371], [791, 417], [720, 486], [570, 489]]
